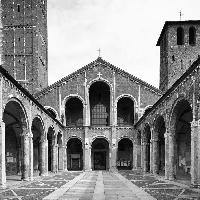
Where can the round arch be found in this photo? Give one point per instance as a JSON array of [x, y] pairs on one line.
[[74, 154], [100, 103], [16, 125], [125, 153], [75, 110], [53, 110], [180, 147], [100, 153], [135, 106]]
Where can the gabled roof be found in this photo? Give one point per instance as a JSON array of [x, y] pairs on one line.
[[99, 60], [175, 23], [24, 91], [194, 65]]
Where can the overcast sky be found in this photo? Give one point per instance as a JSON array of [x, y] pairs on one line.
[[126, 31]]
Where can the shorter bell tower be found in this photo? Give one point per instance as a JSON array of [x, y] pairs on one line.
[[179, 44]]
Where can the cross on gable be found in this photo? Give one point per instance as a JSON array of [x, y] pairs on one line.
[[99, 75], [99, 50], [181, 14]]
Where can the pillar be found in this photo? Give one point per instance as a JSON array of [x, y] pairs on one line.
[[55, 158], [87, 152], [43, 157], [171, 164], [155, 156], [25, 159], [46, 157], [61, 150], [195, 130], [135, 155], [2, 155], [113, 149], [145, 156], [166, 135], [65, 157], [31, 157], [151, 155]]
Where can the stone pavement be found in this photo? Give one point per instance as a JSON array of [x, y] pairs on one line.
[[99, 185]]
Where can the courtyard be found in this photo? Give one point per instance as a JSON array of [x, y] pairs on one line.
[[98, 185]]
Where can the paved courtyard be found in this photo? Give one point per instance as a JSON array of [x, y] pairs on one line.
[[99, 185]]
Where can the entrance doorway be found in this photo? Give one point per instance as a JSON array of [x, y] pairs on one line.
[[100, 154]]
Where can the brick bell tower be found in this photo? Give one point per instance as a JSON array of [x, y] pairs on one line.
[[24, 48], [179, 44]]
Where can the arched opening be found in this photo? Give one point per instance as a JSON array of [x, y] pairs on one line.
[[38, 132], [180, 36], [125, 154], [146, 150], [159, 145], [74, 112], [99, 95], [15, 121], [74, 154], [50, 139], [100, 154], [125, 112], [181, 118], [52, 112], [192, 36]]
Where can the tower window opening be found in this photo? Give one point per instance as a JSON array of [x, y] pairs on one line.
[[192, 36], [18, 8], [173, 58], [180, 36]]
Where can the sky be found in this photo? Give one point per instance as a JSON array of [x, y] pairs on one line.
[[126, 31]]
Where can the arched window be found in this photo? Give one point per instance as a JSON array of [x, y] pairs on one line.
[[125, 112], [180, 36], [99, 104], [74, 112], [192, 36]]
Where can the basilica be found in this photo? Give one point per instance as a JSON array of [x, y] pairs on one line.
[[99, 117]]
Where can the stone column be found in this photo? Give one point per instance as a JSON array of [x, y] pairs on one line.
[[31, 156], [87, 152], [46, 157], [195, 130], [65, 158], [61, 150], [171, 164], [25, 161], [151, 155], [113, 160], [55, 158], [155, 156], [42, 157], [166, 135], [135, 154], [2, 156], [145, 156]]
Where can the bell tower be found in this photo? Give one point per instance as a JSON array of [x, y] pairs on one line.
[[179, 44], [24, 42]]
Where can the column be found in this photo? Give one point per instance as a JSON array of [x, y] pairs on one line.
[[46, 157], [195, 129], [166, 135], [61, 150], [156, 156], [55, 157], [31, 156], [25, 160], [113, 149], [65, 158], [2, 156], [151, 155], [144, 156], [171, 164], [87, 154], [135, 154], [42, 157]]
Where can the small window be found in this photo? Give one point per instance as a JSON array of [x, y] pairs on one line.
[[180, 36], [192, 36], [18, 8]]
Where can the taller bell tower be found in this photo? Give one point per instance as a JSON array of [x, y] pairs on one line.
[[179, 44], [24, 42]]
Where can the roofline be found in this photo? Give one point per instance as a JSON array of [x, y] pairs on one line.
[[171, 89], [99, 59], [5, 73], [167, 23]]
